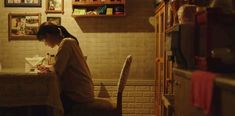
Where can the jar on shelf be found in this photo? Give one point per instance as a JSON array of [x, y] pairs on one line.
[[175, 4], [51, 60], [186, 14]]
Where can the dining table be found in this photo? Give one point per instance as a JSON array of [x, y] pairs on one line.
[[19, 88]]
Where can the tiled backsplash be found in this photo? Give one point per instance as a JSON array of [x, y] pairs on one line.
[[138, 96]]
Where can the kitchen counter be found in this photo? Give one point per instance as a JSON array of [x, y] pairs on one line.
[[222, 80], [223, 96]]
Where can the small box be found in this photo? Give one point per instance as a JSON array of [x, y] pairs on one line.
[[109, 11], [79, 11]]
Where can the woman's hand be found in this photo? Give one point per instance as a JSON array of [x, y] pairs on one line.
[[43, 69]]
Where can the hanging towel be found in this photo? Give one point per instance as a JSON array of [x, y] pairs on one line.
[[202, 90]]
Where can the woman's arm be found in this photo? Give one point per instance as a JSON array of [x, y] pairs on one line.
[[62, 57]]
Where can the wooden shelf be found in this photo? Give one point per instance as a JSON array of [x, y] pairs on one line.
[[96, 3], [98, 15], [97, 8], [169, 53], [172, 28]]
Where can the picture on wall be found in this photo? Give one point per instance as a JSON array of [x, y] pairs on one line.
[[55, 20], [23, 26], [23, 3], [54, 6]]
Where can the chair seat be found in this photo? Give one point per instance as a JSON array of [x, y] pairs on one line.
[[105, 103], [100, 107]]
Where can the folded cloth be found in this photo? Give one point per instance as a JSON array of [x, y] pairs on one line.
[[202, 90]]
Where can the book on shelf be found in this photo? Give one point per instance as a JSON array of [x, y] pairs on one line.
[[109, 11], [79, 12]]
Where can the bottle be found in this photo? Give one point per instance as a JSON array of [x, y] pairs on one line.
[[52, 60], [46, 60]]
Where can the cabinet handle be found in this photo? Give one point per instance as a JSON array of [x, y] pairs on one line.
[[157, 59], [177, 83], [170, 81]]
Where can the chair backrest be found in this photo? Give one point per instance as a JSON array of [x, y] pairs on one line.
[[124, 74], [122, 81]]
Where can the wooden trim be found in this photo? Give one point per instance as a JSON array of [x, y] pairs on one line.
[[95, 3], [76, 16], [113, 82], [162, 4]]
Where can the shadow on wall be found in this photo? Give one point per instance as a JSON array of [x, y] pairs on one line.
[[137, 19], [103, 93]]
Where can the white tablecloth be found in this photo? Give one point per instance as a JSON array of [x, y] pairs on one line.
[[18, 88]]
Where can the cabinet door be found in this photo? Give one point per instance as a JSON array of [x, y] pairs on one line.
[[178, 95], [160, 66], [183, 104]]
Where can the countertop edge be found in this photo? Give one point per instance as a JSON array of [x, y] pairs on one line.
[[222, 80]]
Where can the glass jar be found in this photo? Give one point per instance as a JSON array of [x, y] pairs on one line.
[[51, 60]]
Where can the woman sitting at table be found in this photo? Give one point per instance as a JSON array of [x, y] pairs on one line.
[[70, 66]]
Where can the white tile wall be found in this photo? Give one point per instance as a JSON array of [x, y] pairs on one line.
[[106, 50], [138, 96], [106, 41]]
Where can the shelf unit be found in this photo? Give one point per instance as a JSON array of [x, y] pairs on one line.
[[98, 8], [160, 55], [164, 62]]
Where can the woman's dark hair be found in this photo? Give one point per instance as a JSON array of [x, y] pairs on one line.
[[52, 29]]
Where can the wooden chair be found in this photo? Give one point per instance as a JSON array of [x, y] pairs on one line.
[[106, 106]]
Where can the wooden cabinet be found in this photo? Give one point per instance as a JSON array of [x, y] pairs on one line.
[[98, 8], [160, 55], [182, 103], [183, 36], [164, 77], [166, 31], [222, 99]]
